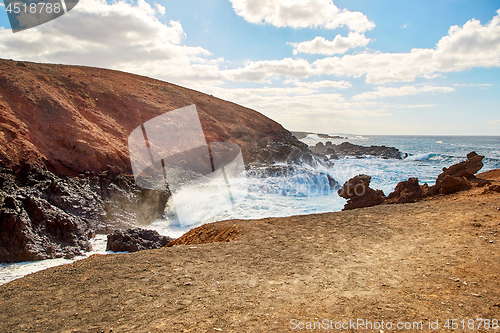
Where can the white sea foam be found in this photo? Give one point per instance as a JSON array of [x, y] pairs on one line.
[[10, 272], [313, 136], [420, 157]]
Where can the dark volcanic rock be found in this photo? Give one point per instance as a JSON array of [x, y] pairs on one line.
[[136, 239], [326, 150], [349, 149], [406, 191], [359, 194], [45, 216]]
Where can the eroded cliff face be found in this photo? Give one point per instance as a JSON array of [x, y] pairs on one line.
[[65, 171]]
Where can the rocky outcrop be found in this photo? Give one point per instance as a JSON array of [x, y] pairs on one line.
[[136, 239], [457, 177], [348, 149], [358, 193], [45, 216], [406, 191], [327, 150], [453, 179]]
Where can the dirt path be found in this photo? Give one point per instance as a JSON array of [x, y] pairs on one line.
[[434, 260]]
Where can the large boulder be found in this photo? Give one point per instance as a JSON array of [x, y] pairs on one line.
[[133, 240], [457, 177], [358, 193], [449, 184], [406, 191]]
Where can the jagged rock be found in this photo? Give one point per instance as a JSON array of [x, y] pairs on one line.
[[453, 179], [406, 191], [359, 193], [348, 149], [136, 239], [45, 216], [457, 177], [449, 184], [32, 229], [326, 150], [466, 169]]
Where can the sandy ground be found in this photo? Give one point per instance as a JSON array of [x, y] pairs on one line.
[[430, 261]]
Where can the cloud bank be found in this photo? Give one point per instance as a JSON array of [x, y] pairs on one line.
[[301, 14], [120, 36]]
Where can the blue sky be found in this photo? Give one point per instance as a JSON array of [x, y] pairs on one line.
[[358, 66]]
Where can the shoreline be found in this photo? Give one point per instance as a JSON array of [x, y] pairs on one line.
[[434, 259]]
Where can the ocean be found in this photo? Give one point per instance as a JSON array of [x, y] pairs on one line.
[[305, 193]]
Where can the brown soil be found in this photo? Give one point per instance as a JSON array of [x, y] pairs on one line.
[[437, 259]]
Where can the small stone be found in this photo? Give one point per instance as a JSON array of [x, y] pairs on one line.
[[476, 295]]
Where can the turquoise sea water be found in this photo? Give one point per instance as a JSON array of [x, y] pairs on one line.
[[425, 157]]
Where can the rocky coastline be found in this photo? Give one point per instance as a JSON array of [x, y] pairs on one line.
[[65, 172]]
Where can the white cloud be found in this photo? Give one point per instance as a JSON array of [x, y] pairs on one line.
[[472, 45], [405, 25], [323, 84], [410, 106], [472, 85], [259, 71], [120, 36], [496, 121], [301, 14], [339, 45], [160, 9], [401, 91]]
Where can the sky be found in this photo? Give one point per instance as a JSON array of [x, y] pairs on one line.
[[385, 67]]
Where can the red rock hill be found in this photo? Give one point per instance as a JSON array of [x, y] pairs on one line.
[[76, 119]]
